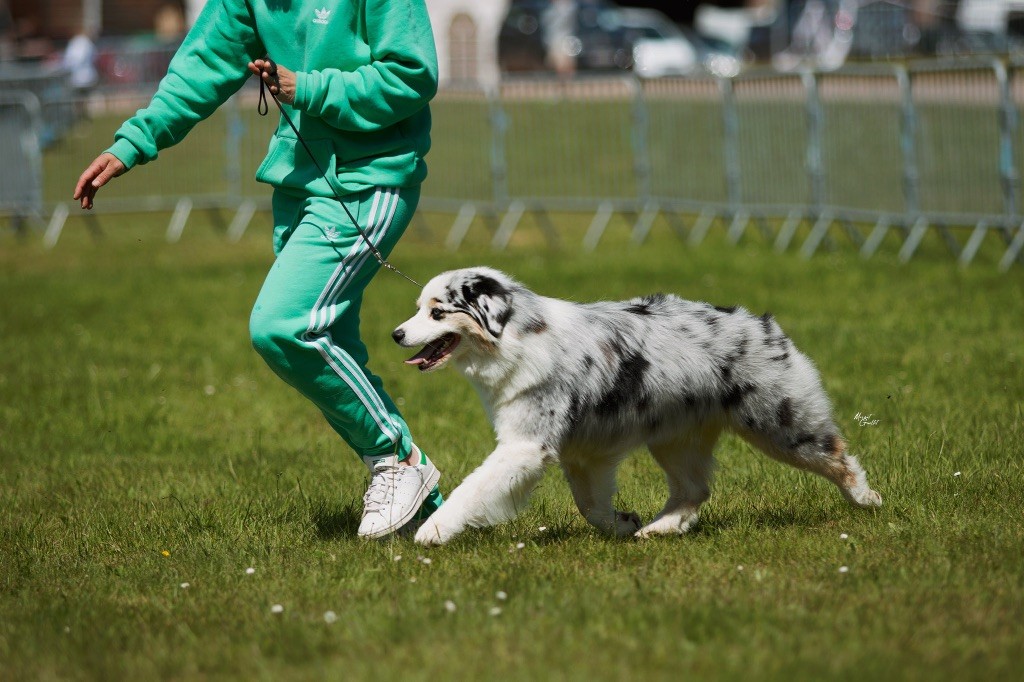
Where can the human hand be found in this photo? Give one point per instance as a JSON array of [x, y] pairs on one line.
[[100, 172], [280, 80]]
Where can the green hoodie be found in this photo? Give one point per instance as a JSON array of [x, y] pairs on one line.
[[365, 70]]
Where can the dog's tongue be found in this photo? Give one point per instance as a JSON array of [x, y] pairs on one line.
[[425, 354]]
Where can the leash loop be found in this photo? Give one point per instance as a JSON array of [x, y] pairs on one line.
[[263, 108]]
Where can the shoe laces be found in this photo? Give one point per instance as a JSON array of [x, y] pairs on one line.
[[381, 492]]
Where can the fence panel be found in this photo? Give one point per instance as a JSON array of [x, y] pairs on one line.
[[461, 155], [958, 140], [51, 88], [197, 168], [772, 144], [21, 125], [570, 140], [685, 134], [863, 162], [929, 145]]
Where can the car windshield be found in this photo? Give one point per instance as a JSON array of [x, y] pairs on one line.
[[647, 26], [648, 32]]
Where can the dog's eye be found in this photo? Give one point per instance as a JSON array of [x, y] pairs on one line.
[[436, 313]]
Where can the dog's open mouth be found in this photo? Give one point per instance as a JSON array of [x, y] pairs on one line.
[[435, 353]]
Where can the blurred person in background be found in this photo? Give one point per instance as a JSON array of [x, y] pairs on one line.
[[355, 78], [559, 25], [80, 60]]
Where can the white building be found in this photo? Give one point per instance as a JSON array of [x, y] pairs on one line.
[[466, 35]]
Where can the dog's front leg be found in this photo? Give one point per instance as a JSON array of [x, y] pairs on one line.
[[593, 484], [495, 492]]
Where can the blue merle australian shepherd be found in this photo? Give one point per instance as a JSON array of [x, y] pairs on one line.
[[583, 384]]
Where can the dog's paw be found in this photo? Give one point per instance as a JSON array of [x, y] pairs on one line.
[[432, 533], [669, 524], [868, 499], [627, 523]]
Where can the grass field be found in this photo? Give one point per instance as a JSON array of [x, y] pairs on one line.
[[149, 459]]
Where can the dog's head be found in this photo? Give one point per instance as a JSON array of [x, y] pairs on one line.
[[471, 305]]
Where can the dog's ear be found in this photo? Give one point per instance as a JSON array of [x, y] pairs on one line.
[[485, 299]]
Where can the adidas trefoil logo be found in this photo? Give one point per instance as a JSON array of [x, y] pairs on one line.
[[332, 234], [322, 15]]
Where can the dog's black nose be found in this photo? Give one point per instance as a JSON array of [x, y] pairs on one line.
[[398, 335]]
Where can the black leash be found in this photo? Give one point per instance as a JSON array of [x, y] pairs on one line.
[[263, 109]]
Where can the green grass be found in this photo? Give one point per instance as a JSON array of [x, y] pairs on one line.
[[136, 419]]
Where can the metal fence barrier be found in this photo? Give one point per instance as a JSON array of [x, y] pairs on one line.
[[866, 153], [21, 127]]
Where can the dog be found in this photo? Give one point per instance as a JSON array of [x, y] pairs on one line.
[[581, 385]]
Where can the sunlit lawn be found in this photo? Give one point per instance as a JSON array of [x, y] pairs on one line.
[[149, 458]]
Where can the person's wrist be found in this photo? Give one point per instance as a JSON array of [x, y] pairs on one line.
[[125, 152], [301, 98], [116, 164]]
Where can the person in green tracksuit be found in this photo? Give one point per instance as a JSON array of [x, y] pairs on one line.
[[355, 77]]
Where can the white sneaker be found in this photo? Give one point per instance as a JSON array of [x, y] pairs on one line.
[[395, 494]]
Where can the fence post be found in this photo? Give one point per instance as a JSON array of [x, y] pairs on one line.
[[641, 154], [908, 142], [730, 144], [813, 162], [1007, 129], [499, 164], [815, 126]]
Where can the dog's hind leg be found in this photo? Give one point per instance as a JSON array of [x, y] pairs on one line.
[[592, 482], [689, 465], [818, 449]]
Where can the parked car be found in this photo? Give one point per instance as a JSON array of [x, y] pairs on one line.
[[595, 41], [661, 48]]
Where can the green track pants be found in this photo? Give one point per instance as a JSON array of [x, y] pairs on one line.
[[305, 322]]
